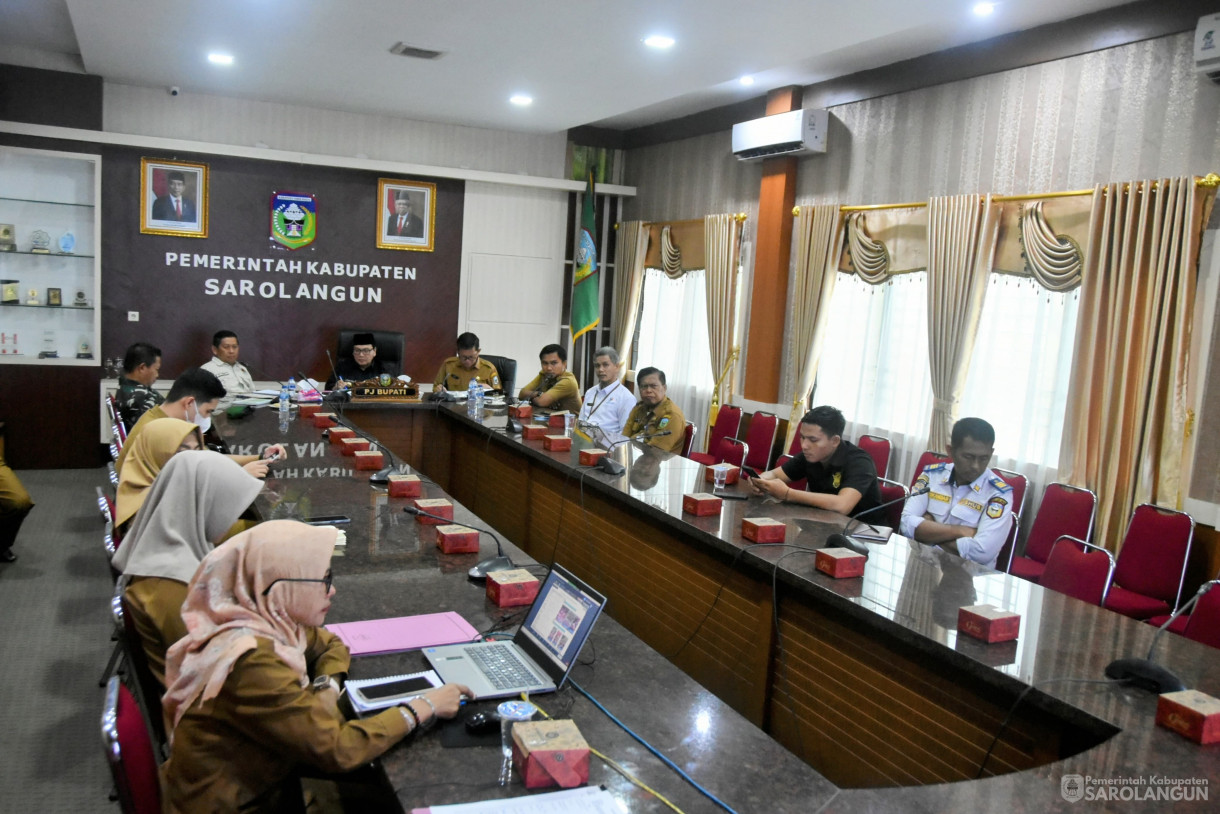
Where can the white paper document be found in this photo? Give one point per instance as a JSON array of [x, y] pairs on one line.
[[584, 800]]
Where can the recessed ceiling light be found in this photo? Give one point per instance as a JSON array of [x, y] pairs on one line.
[[659, 41], [747, 81], [220, 59], [521, 100], [983, 9]]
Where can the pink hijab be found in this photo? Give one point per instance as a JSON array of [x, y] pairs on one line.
[[225, 611]]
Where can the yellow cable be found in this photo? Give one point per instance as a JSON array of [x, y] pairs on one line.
[[632, 778]]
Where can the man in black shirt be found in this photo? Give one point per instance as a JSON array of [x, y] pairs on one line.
[[361, 366], [839, 475]]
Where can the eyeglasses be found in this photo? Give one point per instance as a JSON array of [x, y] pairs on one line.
[[326, 580], [363, 350]]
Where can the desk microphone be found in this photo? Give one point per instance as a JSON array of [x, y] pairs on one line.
[[613, 467], [500, 562], [842, 540], [336, 395], [1146, 674]]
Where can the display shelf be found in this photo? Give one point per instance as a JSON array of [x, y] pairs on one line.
[[42, 305], [46, 254], [48, 203]]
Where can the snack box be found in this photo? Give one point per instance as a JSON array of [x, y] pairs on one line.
[[988, 623], [590, 457], [405, 486], [535, 432], [438, 506], [308, 410], [454, 539], [557, 420], [337, 434], [701, 504], [522, 412], [350, 446], [1190, 713], [369, 459], [556, 443], [763, 530], [512, 588], [550, 753], [324, 420], [840, 563]]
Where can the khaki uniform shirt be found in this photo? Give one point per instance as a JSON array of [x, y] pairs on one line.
[[452, 376], [666, 416], [235, 378], [563, 389]]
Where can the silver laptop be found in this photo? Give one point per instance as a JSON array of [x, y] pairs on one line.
[[540, 655]]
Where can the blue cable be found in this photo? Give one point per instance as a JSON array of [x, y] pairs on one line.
[[652, 749]]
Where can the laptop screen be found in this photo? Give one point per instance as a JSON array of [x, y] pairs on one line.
[[559, 622]]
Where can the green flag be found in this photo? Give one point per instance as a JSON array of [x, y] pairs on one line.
[[586, 310]]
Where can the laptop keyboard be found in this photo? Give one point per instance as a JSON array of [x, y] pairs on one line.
[[501, 666]]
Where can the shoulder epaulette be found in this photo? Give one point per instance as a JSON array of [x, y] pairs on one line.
[[937, 467], [999, 483]]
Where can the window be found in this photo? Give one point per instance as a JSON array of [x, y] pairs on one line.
[[673, 337]]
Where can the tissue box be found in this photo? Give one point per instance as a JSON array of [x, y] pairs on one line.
[[522, 412], [556, 443], [590, 457], [734, 474], [1190, 713], [405, 486], [453, 539], [701, 504], [306, 410], [556, 421], [436, 506], [323, 420], [550, 753], [840, 563], [988, 623], [763, 530], [535, 432], [350, 446], [369, 459], [512, 588], [337, 434]]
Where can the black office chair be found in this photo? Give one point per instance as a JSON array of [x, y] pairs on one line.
[[390, 347], [508, 372]]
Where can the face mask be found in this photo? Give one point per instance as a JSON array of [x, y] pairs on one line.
[[204, 423]]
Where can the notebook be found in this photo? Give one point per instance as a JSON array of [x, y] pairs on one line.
[[540, 655], [403, 633]]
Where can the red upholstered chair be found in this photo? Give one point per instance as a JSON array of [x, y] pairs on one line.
[[733, 452], [1203, 623], [927, 459], [759, 440], [1065, 510], [892, 490], [728, 422], [105, 506], [878, 449], [1018, 482], [688, 438], [1152, 562], [129, 751], [1078, 569]]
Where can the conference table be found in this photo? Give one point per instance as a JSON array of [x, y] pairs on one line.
[[777, 687]]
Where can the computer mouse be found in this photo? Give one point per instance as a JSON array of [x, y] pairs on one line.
[[482, 723]]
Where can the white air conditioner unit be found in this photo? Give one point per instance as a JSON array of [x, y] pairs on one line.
[[798, 132], [1207, 46]]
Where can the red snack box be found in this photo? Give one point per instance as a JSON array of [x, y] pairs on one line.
[[988, 623], [324, 420], [556, 421], [710, 476], [512, 588], [763, 530], [310, 409], [522, 412], [840, 563], [1190, 713], [535, 432], [453, 539], [337, 434], [369, 459], [556, 443], [550, 753], [438, 506], [405, 486], [590, 457], [350, 446], [701, 504]]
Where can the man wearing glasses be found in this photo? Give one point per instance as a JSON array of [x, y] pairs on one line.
[[360, 366], [656, 419], [457, 371]]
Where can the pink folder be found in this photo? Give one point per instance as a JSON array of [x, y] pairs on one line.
[[404, 633]]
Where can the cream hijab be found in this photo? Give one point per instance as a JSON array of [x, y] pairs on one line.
[[192, 503], [226, 612], [150, 452]]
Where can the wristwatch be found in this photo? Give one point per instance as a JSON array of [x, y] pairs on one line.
[[323, 682]]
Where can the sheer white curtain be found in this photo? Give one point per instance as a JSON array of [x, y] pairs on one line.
[[874, 365], [673, 337]]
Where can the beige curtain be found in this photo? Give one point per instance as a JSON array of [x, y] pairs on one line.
[[1126, 417], [962, 233], [819, 241], [628, 284], [722, 243]]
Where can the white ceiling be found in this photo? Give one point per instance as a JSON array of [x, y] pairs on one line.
[[582, 62]]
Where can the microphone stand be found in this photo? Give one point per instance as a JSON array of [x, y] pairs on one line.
[[500, 562], [842, 540], [613, 467], [1145, 673]]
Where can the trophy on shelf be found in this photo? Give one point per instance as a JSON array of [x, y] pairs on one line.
[[8, 238], [67, 243], [8, 344], [9, 292], [31, 297], [84, 350], [40, 242], [80, 301], [55, 296], [48, 346]]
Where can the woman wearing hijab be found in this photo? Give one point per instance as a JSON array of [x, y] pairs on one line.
[[253, 688], [150, 452], [190, 507]]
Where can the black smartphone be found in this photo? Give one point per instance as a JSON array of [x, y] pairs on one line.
[[750, 473], [393, 689], [730, 495], [328, 520]]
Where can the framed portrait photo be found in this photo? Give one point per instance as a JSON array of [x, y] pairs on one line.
[[406, 215], [173, 198]]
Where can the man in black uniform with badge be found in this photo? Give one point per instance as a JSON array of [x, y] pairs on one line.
[[361, 366], [839, 475]]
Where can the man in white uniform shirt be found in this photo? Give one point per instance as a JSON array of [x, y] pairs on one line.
[[224, 366], [967, 508], [608, 404]]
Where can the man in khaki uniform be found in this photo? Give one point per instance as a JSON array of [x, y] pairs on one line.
[[554, 387], [457, 371], [656, 414]]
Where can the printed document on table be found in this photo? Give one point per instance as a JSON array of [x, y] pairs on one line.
[[585, 800]]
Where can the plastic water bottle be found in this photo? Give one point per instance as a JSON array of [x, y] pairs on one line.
[[474, 395], [284, 399], [292, 390]]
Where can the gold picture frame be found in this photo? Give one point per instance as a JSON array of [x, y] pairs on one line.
[[162, 212], [55, 296], [416, 231]]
